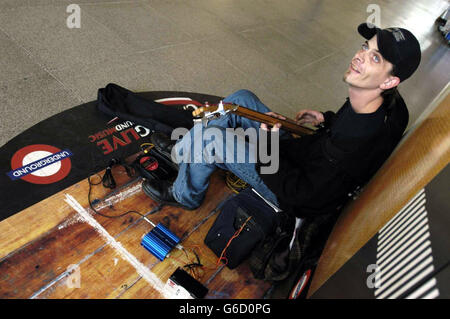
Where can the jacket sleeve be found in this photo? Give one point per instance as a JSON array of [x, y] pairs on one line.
[[329, 118]]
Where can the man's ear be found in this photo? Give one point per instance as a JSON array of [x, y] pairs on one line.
[[390, 82]]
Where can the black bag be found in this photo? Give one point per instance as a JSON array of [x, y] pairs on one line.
[[115, 100], [275, 261], [270, 259], [234, 214]]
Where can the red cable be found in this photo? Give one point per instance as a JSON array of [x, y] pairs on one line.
[[229, 242]]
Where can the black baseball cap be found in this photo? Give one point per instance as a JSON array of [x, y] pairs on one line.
[[398, 46]]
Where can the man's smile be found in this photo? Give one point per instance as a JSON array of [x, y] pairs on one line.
[[354, 68]]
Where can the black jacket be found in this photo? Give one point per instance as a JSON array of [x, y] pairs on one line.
[[317, 172]]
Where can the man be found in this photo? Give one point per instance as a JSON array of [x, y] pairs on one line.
[[317, 172]]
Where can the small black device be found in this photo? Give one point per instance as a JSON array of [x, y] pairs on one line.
[[182, 283], [154, 165]]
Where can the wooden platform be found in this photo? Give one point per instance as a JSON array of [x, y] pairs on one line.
[[50, 250]]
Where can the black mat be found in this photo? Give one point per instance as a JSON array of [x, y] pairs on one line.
[[75, 143]]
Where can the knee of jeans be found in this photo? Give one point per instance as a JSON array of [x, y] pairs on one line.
[[246, 93], [243, 93]]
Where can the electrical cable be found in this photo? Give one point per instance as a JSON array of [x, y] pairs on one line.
[[235, 183], [193, 267], [236, 234], [108, 181], [101, 214]]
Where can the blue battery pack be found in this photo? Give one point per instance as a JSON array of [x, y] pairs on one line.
[[160, 241]]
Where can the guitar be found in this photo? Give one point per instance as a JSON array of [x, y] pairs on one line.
[[212, 111]]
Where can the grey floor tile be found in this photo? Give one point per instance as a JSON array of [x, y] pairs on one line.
[[303, 10], [13, 4], [300, 93], [240, 15], [44, 33], [320, 38], [245, 56], [328, 72], [141, 72], [294, 90], [136, 73], [194, 20], [195, 68], [15, 62], [311, 37], [27, 101], [281, 50], [177, 68], [136, 24]]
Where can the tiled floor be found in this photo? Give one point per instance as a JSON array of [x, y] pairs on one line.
[[291, 53]]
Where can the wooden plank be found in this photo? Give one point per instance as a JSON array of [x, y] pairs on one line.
[[37, 263], [221, 281], [106, 265], [105, 273], [38, 268], [177, 259], [31, 223]]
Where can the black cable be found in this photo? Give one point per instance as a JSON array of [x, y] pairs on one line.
[[108, 181], [193, 265]]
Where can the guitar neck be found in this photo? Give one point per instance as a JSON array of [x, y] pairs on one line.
[[287, 125]]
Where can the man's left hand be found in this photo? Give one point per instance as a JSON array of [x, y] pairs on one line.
[[277, 126]]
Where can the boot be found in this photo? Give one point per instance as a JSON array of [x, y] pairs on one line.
[[161, 191], [162, 143]]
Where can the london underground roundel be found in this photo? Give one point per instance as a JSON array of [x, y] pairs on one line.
[[40, 164]]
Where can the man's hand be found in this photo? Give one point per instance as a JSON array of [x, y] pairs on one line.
[[309, 117], [277, 126]]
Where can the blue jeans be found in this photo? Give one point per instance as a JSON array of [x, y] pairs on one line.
[[192, 181]]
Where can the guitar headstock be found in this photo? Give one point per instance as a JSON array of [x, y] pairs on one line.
[[208, 111]]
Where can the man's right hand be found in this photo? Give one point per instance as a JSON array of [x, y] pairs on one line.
[[309, 117]]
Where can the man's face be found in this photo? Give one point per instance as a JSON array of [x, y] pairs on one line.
[[368, 69]]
